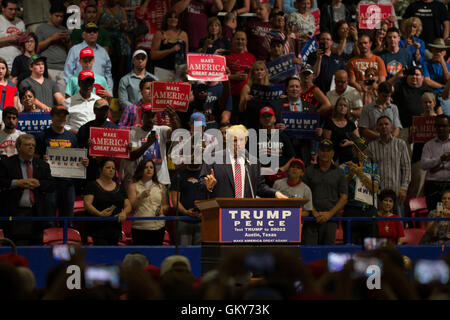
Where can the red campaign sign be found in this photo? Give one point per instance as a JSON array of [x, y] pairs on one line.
[[206, 67], [370, 15], [424, 129], [108, 142], [316, 14], [175, 94]]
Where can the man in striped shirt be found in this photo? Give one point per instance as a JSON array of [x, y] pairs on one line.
[[393, 159]]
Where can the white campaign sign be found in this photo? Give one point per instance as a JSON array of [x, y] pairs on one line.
[[66, 162], [362, 193]]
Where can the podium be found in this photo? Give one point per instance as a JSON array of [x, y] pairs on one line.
[[261, 223]]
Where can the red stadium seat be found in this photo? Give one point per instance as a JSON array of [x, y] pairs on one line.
[[339, 236], [167, 241], [418, 208], [55, 236], [413, 235]]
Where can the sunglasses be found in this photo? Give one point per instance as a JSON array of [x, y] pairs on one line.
[[91, 30]]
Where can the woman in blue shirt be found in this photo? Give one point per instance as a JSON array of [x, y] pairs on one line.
[[411, 29]]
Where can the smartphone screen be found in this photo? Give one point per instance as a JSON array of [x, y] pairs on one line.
[[374, 243], [361, 265], [336, 261], [62, 252], [104, 275], [427, 271]]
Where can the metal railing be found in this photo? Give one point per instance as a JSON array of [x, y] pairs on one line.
[[66, 220]]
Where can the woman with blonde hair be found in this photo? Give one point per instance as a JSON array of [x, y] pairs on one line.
[[214, 40], [337, 129], [417, 174], [411, 29], [248, 104]]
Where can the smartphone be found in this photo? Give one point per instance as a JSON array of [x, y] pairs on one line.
[[102, 275], [260, 262], [226, 52], [62, 252], [113, 207], [247, 70], [336, 261], [361, 265], [427, 271], [374, 243], [322, 46]]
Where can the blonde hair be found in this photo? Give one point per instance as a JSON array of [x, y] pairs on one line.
[[237, 130], [408, 22], [429, 95], [257, 64]]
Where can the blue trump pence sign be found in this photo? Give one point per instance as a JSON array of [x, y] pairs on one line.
[[239, 225]]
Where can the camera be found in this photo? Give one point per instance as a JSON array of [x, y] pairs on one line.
[[427, 271], [336, 261], [322, 46], [369, 82], [102, 275]]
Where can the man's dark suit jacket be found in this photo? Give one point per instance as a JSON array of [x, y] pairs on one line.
[[10, 170], [225, 180], [282, 104]]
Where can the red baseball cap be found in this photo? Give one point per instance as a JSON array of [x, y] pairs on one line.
[[86, 52], [299, 161], [86, 74], [146, 107], [267, 110]]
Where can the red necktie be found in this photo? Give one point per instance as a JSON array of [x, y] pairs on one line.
[[30, 176], [237, 180], [295, 107]]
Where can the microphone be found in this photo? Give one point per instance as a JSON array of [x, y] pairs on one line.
[[247, 165]]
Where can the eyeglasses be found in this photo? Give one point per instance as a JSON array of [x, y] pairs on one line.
[[91, 30]]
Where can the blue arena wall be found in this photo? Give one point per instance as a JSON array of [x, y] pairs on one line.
[[41, 260]]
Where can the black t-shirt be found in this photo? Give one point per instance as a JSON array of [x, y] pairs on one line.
[[409, 101], [104, 199], [189, 191], [49, 138], [282, 149], [432, 15], [344, 154]]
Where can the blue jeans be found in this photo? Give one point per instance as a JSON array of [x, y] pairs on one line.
[[62, 199]]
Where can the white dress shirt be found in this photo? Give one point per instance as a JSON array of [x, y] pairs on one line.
[[81, 110]]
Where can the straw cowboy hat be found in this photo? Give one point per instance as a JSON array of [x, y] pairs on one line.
[[438, 43]]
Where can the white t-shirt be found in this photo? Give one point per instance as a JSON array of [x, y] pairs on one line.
[[8, 142], [7, 28], [157, 152], [352, 95]]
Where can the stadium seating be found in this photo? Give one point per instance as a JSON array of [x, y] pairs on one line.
[[54, 236], [418, 208], [413, 236]]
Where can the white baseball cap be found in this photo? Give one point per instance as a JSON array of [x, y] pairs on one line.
[[139, 52]]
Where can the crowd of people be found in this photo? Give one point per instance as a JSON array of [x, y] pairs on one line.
[[366, 86], [243, 274]]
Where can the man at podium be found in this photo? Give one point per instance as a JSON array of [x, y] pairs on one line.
[[234, 173]]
